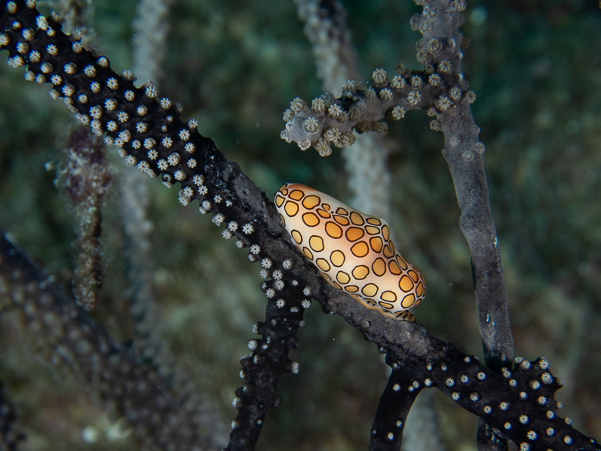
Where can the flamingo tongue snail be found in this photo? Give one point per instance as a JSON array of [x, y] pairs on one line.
[[352, 250]]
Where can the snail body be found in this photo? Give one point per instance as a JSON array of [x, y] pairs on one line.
[[352, 250]]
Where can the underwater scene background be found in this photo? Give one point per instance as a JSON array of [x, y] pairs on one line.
[[235, 66]]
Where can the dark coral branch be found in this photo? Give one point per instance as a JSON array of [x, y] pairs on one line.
[[268, 360], [528, 391], [439, 23], [361, 106], [395, 403], [112, 371]]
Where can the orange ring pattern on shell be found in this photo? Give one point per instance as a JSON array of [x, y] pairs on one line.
[[352, 250]]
